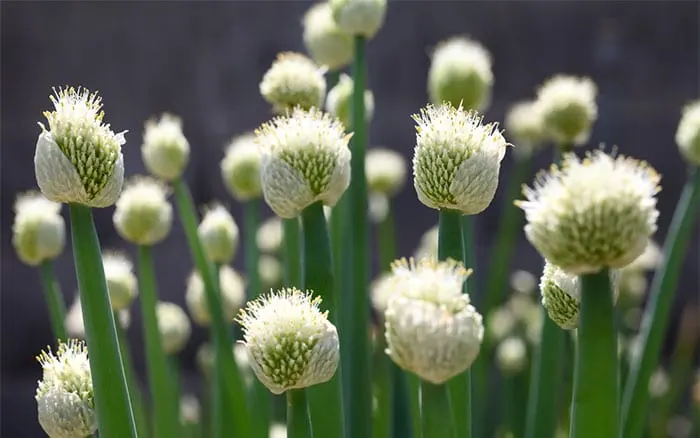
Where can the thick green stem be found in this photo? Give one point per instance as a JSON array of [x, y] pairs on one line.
[[594, 409], [292, 252], [436, 411], [114, 416], [325, 401], [381, 389], [413, 389], [259, 395], [232, 383], [298, 421], [54, 300], [515, 387], [636, 395], [159, 376], [359, 409], [450, 246], [401, 425]]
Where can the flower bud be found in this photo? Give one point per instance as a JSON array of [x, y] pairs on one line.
[[359, 17], [431, 329], [511, 355], [500, 323], [592, 213], [269, 235], [174, 327], [525, 125], [306, 159], [218, 233], [326, 43], [688, 133], [65, 398], [385, 171], [143, 214], [270, 270], [292, 81], [232, 295], [290, 342], [189, 409], [240, 168], [457, 159], [568, 108], [38, 232], [523, 282], [78, 160], [659, 383], [165, 149], [428, 246], [340, 97], [74, 319], [121, 281], [278, 431], [460, 74]]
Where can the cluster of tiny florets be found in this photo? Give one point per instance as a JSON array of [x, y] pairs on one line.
[[289, 340], [79, 159], [339, 99], [240, 168], [525, 126], [305, 159], [359, 17], [232, 288], [121, 281], [326, 43], [38, 231], [165, 148], [592, 213], [218, 233], [173, 325], [688, 133], [457, 159], [568, 108], [143, 214], [293, 80], [385, 171]]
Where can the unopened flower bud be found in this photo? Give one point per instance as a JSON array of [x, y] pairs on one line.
[[511, 355], [431, 329], [385, 171], [270, 270], [292, 81], [189, 409], [121, 281], [38, 232], [232, 295], [523, 282], [326, 43], [78, 160], [688, 133], [500, 323], [592, 213], [290, 342], [174, 327], [269, 235], [460, 74], [143, 214], [278, 431], [359, 17], [457, 159], [218, 233], [568, 108], [340, 97], [306, 159], [240, 168], [525, 126], [659, 383], [65, 398], [74, 319], [165, 149], [428, 246]]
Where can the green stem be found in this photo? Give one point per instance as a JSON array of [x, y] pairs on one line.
[[114, 415], [382, 390], [450, 246], [54, 300], [332, 78], [159, 375], [436, 412], [298, 421], [259, 395], [135, 393], [594, 409], [292, 252], [359, 411], [325, 401], [413, 389], [516, 391], [402, 415], [636, 394], [232, 383]]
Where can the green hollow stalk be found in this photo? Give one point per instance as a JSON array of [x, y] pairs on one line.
[[135, 394], [159, 375], [655, 320], [436, 411], [298, 421], [450, 246], [115, 418], [359, 409], [232, 382], [292, 252], [413, 398], [54, 300], [594, 407], [259, 395], [325, 400]]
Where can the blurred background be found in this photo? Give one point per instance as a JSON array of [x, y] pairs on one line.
[[204, 60]]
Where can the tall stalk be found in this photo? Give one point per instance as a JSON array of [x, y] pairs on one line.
[[54, 300], [636, 395], [436, 412], [594, 407], [292, 252], [358, 357], [298, 423], [114, 415]]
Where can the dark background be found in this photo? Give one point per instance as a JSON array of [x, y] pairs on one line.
[[204, 60]]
